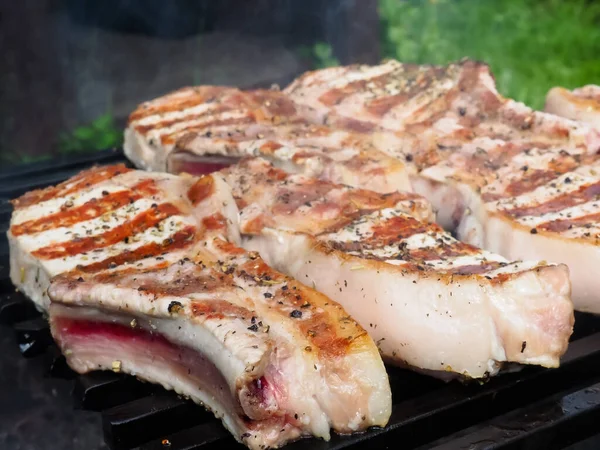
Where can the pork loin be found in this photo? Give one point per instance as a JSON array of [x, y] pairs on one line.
[[481, 159], [140, 274], [429, 301]]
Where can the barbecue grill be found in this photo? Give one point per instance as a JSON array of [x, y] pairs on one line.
[[529, 409]]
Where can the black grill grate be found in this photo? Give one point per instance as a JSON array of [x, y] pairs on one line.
[[533, 408]]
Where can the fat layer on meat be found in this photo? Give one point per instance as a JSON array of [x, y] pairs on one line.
[[428, 300], [140, 274]]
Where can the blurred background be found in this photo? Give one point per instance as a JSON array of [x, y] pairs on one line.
[[72, 70]]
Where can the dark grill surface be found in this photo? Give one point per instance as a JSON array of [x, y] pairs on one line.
[[531, 409]]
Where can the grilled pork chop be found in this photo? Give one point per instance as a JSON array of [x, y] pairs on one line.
[[140, 275], [199, 130], [431, 111], [582, 104], [428, 300], [506, 178]]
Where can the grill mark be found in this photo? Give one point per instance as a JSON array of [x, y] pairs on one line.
[[400, 227], [197, 128], [426, 119], [503, 154], [138, 224], [336, 95], [475, 269], [382, 105], [351, 204], [306, 129], [355, 125], [489, 197], [268, 148], [240, 100], [288, 200], [531, 180], [418, 82], [256, 225], [423, 155], [231, 137], [201, 189], [416, 260], [582, 195], [487, 163], [228, 248], [502, 278], [274, 103], [303, 155], [325, 337], [370, 200], [197, 96], [122, 273], [564, 164], [272, 172], [413, 256], [179, 240], [362, 162], [415, 80], [220, 309], [215, 222], [144, 129], [432, 110], [443, 251], [491, 103], [83, 180], [90, 210], [561, 225], [202, 282]]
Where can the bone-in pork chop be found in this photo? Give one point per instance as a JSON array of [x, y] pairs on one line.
[[140, 274], [514, 181], [428, 300], [199, 130]]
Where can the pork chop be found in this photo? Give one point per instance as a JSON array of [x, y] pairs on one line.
[[199, 130], [473, 153], [140, 274], [429, 301]]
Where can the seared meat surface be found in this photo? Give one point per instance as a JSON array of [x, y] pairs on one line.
[[140, 274], [199, 130], [511, 180], [428, 300]]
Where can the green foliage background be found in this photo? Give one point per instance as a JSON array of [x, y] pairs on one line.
[[101, 134], [531, 45]]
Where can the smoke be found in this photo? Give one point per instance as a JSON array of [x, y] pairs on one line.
[[68, 62]]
